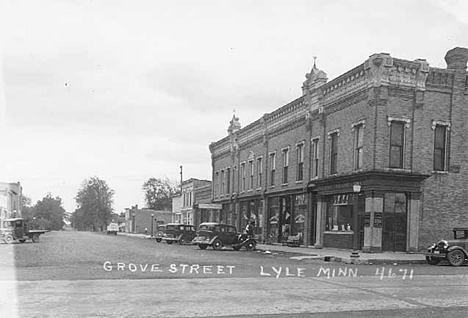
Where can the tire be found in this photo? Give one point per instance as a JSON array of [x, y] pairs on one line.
[[9, 239], [182, 241], [202, 246], [432, 260], [35, 238], [217, 245], [22, 240], [158, 240], [456, 257], [169, 242], [250, 246]]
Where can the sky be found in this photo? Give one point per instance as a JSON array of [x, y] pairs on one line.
[[129, 90]]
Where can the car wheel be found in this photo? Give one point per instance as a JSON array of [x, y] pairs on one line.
[[250, 246], [432, 260], [202, 246], [169, 242], [182, 240], [456, 257], [158, 240], [35, 238], [22, 240], [8, 239], [217, 245]]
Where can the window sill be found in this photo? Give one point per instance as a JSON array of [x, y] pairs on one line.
[[338, 232], [284, 184], [271, 187], [440, 172], [299, 181], [259, 189]]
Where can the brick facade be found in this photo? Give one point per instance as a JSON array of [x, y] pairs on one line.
[[392, 158]]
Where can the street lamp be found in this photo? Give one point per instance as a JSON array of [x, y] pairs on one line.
[[152, 220]]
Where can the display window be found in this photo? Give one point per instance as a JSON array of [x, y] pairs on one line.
[[340, 213]]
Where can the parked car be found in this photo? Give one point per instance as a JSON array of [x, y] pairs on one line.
[[160, 232], [454, 251], [18, 229], [179, 233], [218, 235], [112, 228]]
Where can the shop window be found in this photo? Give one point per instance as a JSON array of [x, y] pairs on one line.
[[285, 154], [300, 162], [340, 213], [300, 211], [358, 146], [216, 186], [333, 153], [396, 144], [259, 172], [315, 157], [272, 168], [273, 220], [440, 147]]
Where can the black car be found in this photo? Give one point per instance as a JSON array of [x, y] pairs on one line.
[[179, 233], [454, 251], [218, 235]]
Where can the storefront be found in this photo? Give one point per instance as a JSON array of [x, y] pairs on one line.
[[370, 211], [287, 215], [252, 211]]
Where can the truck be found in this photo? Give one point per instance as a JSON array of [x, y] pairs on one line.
[[18, 229], [112, 228]]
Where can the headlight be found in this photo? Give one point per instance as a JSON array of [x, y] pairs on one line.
[[442, 244]]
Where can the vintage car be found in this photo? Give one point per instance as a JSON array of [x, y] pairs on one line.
[[218, 235], [179, 233], [18, 229], [454, 251], [160, 232]]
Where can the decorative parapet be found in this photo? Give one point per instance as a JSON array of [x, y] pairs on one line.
[[440, 78], [345, 84]]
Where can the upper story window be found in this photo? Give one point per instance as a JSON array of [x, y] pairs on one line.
[[358, 146], [222, 183], [441, 138], [285, 154], [259, 172], [242, 171], [228, 180], [315, 157], [397, 141], [272, 168], [300, 162], [333, 152], [251, 174], [216, 185]]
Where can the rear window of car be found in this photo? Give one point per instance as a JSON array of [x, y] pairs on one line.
[[209, 227], [232, 229], [171, 227]]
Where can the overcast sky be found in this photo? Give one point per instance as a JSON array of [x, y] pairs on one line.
[[128, 90]]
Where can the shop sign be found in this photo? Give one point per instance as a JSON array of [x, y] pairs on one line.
[[300, 218], [338, 186], [343, 199], [377, 219], [208, 206]]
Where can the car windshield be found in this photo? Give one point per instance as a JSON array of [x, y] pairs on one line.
[[207, 227], [7, 224]]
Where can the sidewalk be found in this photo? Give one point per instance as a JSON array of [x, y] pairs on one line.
[[333, 254], [344, 256]]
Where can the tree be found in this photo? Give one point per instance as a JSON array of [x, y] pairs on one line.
[[159, 193], [26, 208], [94, 201], [49, 213]]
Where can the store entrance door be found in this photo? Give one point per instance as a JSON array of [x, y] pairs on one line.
[[394, 223]]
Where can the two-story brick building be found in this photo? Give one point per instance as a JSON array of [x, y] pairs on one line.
[[375, 159], [10, 200]]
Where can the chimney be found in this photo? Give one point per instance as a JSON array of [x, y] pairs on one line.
[[457, 58]]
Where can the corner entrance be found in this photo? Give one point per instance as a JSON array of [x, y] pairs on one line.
[[394, 222]]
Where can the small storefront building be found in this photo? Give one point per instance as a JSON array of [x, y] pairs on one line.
[[369, 211]]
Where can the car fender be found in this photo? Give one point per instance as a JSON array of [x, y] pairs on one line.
[[452, 248], [213, 239]]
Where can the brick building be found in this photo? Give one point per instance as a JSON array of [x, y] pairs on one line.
[[375, 159], [145, 221], [194, 205]]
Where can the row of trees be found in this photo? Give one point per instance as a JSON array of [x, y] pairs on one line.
[[95, 202], [47, 214]]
